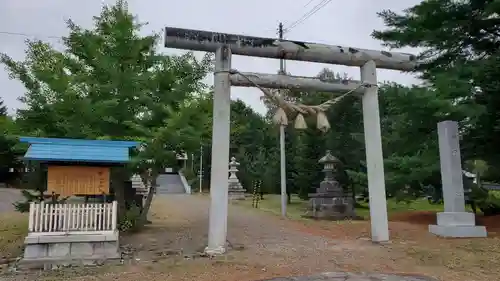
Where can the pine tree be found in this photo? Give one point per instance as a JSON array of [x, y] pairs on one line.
[[3, 108]]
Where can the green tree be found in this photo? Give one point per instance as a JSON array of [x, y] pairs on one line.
[[409, 126], [8, 151], [252, 143], [111, 83], [462, 55]]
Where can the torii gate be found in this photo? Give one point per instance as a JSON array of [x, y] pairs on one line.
[[224, 45]]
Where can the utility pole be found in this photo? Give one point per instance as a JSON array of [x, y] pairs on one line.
[[200, 172], [282, 61], [282, 140]]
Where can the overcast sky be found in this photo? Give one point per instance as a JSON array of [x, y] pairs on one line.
[[347, 23]]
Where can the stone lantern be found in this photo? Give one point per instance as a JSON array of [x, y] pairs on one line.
[[330, 201], [235, 189], [330, 164]]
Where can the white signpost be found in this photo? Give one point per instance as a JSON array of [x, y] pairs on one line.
[[225, 45]]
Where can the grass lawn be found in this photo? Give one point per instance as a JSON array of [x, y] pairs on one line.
[[13, 230], [297, 208]]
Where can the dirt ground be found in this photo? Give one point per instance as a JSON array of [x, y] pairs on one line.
[[265, 246]]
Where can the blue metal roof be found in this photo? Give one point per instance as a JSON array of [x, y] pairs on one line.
[[78, 150]]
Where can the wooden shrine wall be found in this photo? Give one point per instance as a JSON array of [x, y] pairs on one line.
[[77, 180]]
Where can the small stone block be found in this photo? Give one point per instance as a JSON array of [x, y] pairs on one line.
[[35, 251], [81, 249], [59, 250]]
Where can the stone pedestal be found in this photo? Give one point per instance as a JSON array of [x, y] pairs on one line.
[[235, 189], [454, 221], [457, 224], [64, 249], [331, 205], [330, 202]]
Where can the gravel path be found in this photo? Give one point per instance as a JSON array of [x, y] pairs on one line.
[[262, 247], [254, 234], [7, 197]]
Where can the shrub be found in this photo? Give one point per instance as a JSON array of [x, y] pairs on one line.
[[24, 206], [130, 221], [487, 201]]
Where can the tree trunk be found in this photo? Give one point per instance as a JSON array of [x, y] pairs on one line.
[[119, 192], [149, 199], [353, 193]]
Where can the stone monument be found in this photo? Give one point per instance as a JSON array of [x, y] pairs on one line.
[[330, 201], [235, 189], [454, 221]]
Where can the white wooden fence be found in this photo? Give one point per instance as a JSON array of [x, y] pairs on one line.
[[92, 217]]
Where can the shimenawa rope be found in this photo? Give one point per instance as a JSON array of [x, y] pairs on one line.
[[280, 116]]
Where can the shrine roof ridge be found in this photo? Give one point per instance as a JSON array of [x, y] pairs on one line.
[[77, 150], [84, 142]]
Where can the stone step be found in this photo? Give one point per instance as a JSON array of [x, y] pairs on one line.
[[49, 263], [169, 183]]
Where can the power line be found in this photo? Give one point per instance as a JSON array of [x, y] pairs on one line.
[[27, 35], [309, 2], [307, 15]]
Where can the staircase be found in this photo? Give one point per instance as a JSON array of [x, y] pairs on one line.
[[138, 185], [169, 184]]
